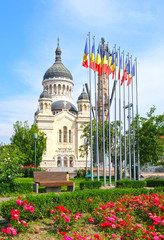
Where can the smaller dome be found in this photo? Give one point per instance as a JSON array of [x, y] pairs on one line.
[[36, 113], [59, 105], [45, 94], [83, 95]]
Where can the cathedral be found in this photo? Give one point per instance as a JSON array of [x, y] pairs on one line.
[[60, 120]]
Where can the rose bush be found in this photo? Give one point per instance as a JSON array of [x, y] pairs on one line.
[[128, 218]]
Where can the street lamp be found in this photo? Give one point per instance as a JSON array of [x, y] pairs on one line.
[[35, 137]]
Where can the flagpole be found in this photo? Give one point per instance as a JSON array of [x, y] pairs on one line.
[[115, 146], [138, 156], [109, 127], [103, 148], [125, 163], [97, 148], [134, 162], [91, 157], [120, 120], [130, 174]]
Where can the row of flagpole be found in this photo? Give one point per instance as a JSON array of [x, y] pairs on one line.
[[105, 66]]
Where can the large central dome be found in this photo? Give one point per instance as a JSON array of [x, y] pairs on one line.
[[57, 70]]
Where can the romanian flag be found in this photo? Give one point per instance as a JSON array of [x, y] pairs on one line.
[[98, 61], [133, 70], [116, 59], [130, 76], [124, 76], [85, 56], [104, 64], [92, 60], [110, 64], [113, 65]]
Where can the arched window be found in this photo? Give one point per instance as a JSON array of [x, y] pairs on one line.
[[64, 134], [70, 136], [65, 161], [71, 161], [80, 107], [60, 136], [85, 107], [59, 162]]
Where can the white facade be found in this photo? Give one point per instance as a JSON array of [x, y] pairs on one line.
[[59, 119]]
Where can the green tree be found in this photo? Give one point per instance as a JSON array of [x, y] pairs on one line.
[[86, 134], [11, 161], [151, 129], [23, 138]]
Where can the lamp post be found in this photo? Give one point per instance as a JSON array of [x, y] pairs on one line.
[[35, 138]]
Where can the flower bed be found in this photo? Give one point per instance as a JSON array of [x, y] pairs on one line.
[[129, 217]]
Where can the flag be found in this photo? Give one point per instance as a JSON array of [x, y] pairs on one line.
[[104, 65], [133, 70], [124, 76], [113, 64], [116, 58], [130, 75], [85, 56], [98, 61], [92, 60], [121, 67], [110, 63]]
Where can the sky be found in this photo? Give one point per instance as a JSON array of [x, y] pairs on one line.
[[29, 32]]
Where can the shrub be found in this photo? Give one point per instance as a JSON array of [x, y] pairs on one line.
[[27, 171], [155, 182], [81, 173], [79, 201], [16, 188], [130, 184], [90, 185]]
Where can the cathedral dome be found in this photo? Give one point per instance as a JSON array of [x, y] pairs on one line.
[[83, 95], [59, 105], [45, 94], [57, 69]]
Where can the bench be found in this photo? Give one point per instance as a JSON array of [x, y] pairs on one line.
[[52, 181]]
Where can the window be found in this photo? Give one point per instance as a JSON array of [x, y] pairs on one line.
[[60, 134], [58, 162], [70, 136], [64, 134]]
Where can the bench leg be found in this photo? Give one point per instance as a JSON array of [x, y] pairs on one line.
[[35, 187], [53, 189], [71, 188]]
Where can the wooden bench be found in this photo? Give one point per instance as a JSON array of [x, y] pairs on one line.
[[52, 181]]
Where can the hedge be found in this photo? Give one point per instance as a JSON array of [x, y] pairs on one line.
[[76, 201], [16, 188], [130, 184], [155, 182], [90, 185]]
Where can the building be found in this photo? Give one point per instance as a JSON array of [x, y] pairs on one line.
[[60, 120]]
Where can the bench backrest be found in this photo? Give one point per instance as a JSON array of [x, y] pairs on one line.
[[50, 176]]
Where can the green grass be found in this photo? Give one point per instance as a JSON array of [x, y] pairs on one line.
[[24, 180]]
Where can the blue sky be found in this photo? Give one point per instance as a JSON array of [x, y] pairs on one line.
[[29, 32]]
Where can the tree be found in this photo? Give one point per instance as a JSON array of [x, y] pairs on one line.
[[23, 138], [150, 144], [86, 134], [11, 161]]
